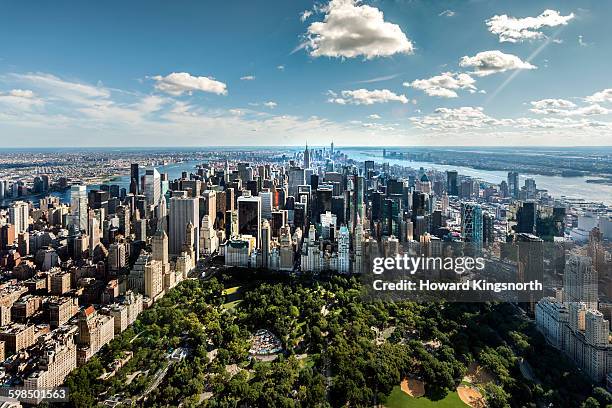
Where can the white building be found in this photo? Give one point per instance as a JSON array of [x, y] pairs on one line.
[[19, 216], [344, 260], [183, 210], [78, 207]]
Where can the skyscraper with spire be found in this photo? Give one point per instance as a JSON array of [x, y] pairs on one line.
[[306, 157]]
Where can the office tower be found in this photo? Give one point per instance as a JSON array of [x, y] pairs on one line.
[[306, 157], [286, 252], [332, 148], [7, 236], [338, 208], [513, 184], [230, 199], [93, 232], [296, 178], [3, 189], [266, 204], [343, 250], [530, 188], [452, 187], [466, 189], [265, 243], [471, 222], [78, 207], [153, 278], [329, 222], [98, 200], [314, 182], [249, 217], [526, 217], [280, 197], [279, 220], [322, 202], [503, 189], [245, 172], [209, 242], [208, 204], [420, 205], [19, 216], [134, 179], [152, 186], [358, 247], [358, 200], [159, 249], [183, 210], [580, 281], [488, 223], [23, 243]]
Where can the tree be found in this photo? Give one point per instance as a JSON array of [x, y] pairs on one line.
[[496, 396]]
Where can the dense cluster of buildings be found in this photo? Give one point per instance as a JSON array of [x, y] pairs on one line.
[[75, 274]]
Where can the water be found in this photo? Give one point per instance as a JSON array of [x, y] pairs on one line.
[[174, 171], [558, 187]]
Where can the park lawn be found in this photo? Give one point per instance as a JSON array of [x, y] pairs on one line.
[[399, 399], [232, 304], [231, 291]]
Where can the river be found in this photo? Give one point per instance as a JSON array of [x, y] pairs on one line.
[[558, 187]]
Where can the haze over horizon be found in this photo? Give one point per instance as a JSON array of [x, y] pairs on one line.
[[389, 72]]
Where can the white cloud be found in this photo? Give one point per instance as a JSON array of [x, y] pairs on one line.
[[444, 85], [511, 29], [447, 13], [20, 99], [21, 93], [455, 118], [365, 97], [491, 62], [305, 14], [588, 111], [474, 118], [601, 96], [563, 107], [374, 116], [270, 104], [551, 106], [247, 78], [55, 88], [350, 29], [178, 83]]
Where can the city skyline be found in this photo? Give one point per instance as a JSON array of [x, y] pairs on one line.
[[401, 73]]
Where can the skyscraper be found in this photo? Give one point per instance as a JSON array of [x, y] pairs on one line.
[[296, 178], [471, 222], [343, 250], [580, 281], [159, 246], [306, 157], [452, 187], [183, 210], [513, 184], [152, 186], [265, 243], [526, 217], [134, 178], [19, 214], [78, 206], [249, 217]]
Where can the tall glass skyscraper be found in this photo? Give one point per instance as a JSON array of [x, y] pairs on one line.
[[471, 222]]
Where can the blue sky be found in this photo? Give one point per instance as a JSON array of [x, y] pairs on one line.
[[193, 73]]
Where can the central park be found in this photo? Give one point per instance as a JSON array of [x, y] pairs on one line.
[[254, 339]]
